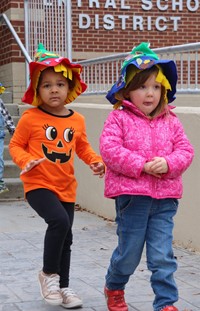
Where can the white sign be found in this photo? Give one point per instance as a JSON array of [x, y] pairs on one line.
[[138, 22]]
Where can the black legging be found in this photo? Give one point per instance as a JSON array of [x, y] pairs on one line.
[[58, 238]]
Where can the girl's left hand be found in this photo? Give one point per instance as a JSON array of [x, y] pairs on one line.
[[98, 169], [158, 165]]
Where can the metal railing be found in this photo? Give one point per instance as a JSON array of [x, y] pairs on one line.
[[49, 22], [101, 73]]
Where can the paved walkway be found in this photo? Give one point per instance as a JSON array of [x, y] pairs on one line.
[[21, 245]]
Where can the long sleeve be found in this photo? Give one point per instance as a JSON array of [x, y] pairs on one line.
[[18, 146], [7, 118], [183, 152], [119, 158], [56, 139], [130, 139]]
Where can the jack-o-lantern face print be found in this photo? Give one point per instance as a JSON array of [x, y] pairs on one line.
[[59, 152]]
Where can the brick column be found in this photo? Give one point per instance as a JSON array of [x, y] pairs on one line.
[[12, 61]]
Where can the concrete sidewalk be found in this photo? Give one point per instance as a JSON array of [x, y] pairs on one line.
[[21, 246]]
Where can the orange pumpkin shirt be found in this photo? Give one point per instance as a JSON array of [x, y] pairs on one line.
[[57, 138]]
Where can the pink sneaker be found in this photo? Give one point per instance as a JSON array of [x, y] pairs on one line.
[[70, 299], [50, 288]]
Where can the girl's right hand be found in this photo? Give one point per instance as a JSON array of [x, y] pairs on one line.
[[31, 164], [148, 170]]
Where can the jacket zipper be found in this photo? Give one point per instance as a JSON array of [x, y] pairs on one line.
[[152, 126]]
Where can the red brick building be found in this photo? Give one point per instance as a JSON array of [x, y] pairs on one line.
[[101, 27], [115, 26]]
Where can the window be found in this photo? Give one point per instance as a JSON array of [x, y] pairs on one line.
[[48, 2]]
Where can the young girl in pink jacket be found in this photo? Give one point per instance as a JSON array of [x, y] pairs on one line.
[[146, 151]]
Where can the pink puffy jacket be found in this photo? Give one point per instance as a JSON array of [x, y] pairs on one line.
[[129, 139]]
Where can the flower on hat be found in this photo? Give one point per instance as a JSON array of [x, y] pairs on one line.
[[140, 51]]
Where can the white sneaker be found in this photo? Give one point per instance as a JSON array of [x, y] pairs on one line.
[[70, 299], [50, 288], [3, 188]]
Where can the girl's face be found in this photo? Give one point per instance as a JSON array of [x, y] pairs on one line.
[[53, 89], [147, 97]]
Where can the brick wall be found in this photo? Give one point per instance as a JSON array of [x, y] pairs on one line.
[[9, 49], [101, 27], [114, 26], [178, 23]]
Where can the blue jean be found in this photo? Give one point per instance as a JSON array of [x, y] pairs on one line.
[[143, 220], [1, 158]]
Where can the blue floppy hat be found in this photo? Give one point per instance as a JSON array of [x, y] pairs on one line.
[[142, 57]]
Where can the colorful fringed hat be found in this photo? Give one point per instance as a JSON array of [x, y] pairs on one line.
[[45, 59], [141, 58]]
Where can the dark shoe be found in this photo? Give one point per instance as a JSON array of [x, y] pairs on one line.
[[170, 308], [115, 300]]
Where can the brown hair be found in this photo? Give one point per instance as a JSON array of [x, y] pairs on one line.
[[70, 82], [138, 80]]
